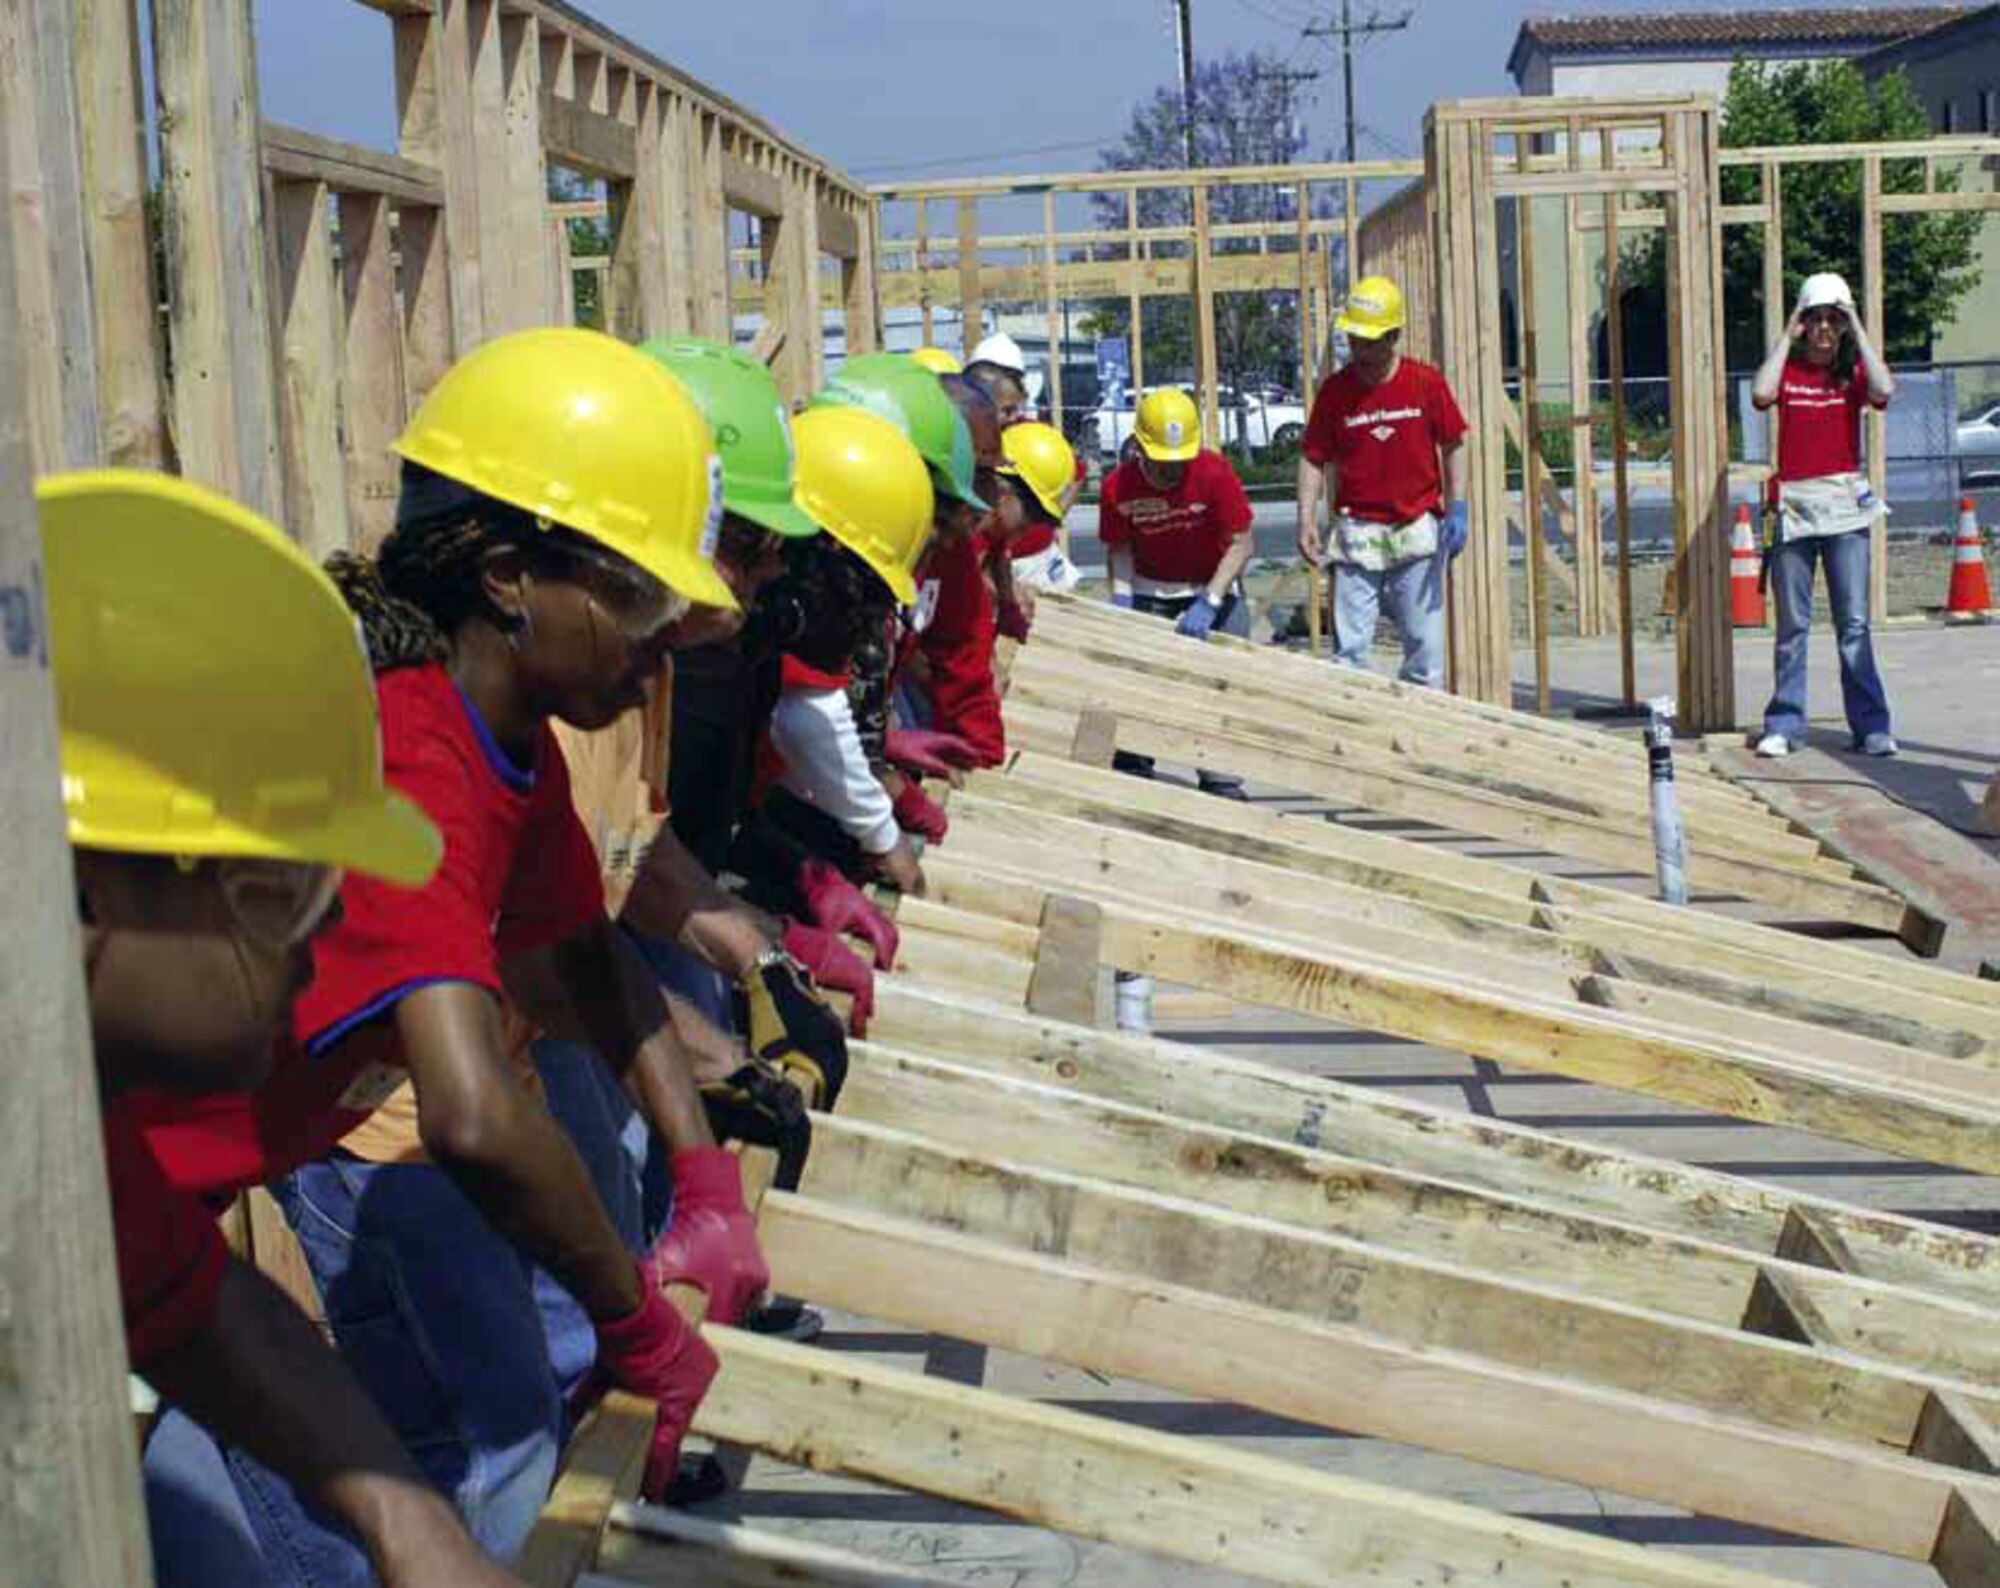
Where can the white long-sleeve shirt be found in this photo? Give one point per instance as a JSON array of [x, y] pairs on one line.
[[813, 730]]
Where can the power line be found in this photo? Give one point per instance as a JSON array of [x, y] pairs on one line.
[[1347, 30]]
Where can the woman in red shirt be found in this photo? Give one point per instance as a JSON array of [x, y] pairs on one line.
[[1820, 375], [559, 507]]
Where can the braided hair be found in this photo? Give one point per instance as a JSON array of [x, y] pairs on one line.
[[424, 581]]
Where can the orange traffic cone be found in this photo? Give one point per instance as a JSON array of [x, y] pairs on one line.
[[1746, 600], [1969, 597]]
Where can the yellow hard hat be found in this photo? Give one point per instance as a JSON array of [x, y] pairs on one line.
[[1374, 308], [211, 686], [1039, 457], [938, 361], [1169, 425], [578, 429], [861, 479]]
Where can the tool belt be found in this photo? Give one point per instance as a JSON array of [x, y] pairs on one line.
[[1359, 543]]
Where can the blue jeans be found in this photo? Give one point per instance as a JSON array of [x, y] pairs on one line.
[[1414, 593], [1847, 560], [469, 1352]]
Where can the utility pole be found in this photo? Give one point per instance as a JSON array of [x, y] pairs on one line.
[[1347, 30], [1184, 37], [1287, 82]]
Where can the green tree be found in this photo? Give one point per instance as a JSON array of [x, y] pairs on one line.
[[1244, 114], [1928, 261], [589, 238]]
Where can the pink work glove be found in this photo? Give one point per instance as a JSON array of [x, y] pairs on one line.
[[833, 965], [841, 907], [712, 1241], [1012, 621], [655, 1352], [916, 812], [925, 751]]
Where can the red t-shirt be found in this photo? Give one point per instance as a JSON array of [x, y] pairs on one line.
[[1179, 535], [518, 873], [1819, 425], [1383, 440], [170, 1254], [958, 648]]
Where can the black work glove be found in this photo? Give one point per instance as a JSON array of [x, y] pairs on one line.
[[792, 1029]]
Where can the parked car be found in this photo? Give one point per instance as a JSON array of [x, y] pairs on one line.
[[1979, 445], [1255, 422]]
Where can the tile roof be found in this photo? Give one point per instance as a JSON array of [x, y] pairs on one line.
[[1725, 30]]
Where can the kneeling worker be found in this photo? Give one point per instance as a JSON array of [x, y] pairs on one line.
[[1387, 439]]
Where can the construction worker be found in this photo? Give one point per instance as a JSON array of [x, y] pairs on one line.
[[1000, 369], [199, 894], [1387, 442], [1175, 525], [1819, 376], [862, 478], [1043, 465], [559, 503]]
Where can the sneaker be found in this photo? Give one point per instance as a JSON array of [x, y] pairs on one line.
[[1773, 745], [1878, 744], [701, 1478], [783, 1319]]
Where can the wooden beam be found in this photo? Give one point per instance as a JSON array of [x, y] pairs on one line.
[[349, 167], [74, 1510], [1338, 1374], [224, 387], [316, 507], [839, 232], [1185, 1499], [372, 383], [1282, 1106], [602, 1467], [752, 188], [1064, 983], [588, 141], [111, 128], [434, 63], [920, 1137], [971, 288], [709, 217]]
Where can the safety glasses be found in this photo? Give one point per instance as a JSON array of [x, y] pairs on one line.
[[279, 903], [631, 600], [1832, 317]]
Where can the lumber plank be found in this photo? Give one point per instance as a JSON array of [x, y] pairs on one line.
[[434, 62], [1353, 1379], [315, 478], [1064, 983], [1282, 1106], [1268, 1520], [224, 388], [650, 1546], [1455, 879], [111, 129], [371, 387], [74, 1511], [1968, 1543], [900, 1129], [587, 140], [1000, 857], [603, 1466], [1956, 1433], [303, 156]]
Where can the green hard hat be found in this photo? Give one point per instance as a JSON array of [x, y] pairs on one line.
[[902, 391], [739, 399]]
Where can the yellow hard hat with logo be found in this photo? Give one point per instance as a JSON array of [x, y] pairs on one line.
[[580, 430], [211, 687], [1168, 425], [1373, 309], [1039, 457], [864, 482], [938, 361]]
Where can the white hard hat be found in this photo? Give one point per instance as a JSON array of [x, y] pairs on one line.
[[1824, 288], [1001, 349]]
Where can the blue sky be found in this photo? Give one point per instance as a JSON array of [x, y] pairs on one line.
[[930, 88]]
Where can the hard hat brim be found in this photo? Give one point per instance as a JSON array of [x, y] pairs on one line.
[[1367, 330], [781, 518], [1166, 454], [1050, 504], [390, 838]]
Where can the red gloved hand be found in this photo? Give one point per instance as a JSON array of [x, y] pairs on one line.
[[841, 907], [655, 1352], [916, 812], [930, 753], [712, 1241], [834, 965], [1012, 621]]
